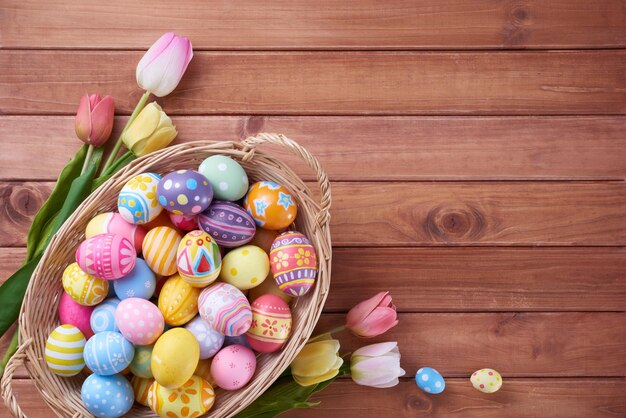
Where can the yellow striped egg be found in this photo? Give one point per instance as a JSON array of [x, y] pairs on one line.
[[159, 249], [178, 301], [192, 399], [83, 288], [64, 350], [141, 388]]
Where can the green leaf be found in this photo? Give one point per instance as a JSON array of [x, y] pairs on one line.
[[12, 293], [54, 202]]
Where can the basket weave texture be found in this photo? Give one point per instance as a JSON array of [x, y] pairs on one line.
[[39, 316]]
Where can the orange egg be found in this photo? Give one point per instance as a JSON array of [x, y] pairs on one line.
[[271, 205], [264, 238]]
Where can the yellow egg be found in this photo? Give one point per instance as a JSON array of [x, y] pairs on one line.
[[194, 398], [175, 357], [83, 288], [270, 286], [64, 350], [178, 301], [141, 388], [486, 380], [159, 249], [245, 267], [204, 371]]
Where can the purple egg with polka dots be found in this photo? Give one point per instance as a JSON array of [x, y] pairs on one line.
[[227, 223], [185, 192]]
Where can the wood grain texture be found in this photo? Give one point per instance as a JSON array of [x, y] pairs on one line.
[[520, 398], [324, 83], [427, 214], [466, 279], [373, 148], [301, 24], [516, 344], [528, 344]]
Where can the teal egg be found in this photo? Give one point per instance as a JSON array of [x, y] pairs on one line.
[[228, 178], [140, 366]]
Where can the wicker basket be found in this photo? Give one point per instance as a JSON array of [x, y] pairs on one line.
[[39, 317]]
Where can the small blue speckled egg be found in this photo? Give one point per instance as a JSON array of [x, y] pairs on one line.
[[108, 353], [103, 317], [430, 380], [185, 192], [140, 366], [107, 396], [210, 340], [139, 283]]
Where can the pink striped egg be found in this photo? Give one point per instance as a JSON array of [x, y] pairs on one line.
[[271, 324], [106, 256], [226, 309], [114, 223]]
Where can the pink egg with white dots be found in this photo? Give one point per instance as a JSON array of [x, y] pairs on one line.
[[233, 367], [139, 320]]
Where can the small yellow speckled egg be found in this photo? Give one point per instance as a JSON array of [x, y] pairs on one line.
[[194, 398], [141, 388], [83, 288], [64, 351], [178, 301], [245, 267], [486, 380], [175, 357]]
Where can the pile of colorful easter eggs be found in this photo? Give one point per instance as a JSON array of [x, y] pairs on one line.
[[178, 291]]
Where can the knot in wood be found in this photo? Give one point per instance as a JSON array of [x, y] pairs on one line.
[[450, 224]]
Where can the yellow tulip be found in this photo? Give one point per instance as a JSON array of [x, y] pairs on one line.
[[317, 362], [151, 130]]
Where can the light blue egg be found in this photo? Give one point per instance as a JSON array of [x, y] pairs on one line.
[[103, 317], [430, 380], [140, 366], [107, 396], [108, 353], [139, 283]]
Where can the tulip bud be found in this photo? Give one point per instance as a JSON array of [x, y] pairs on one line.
[[376, 365], [151, 130], [373, 316], [94, 119], [162, 67], [317, 362]]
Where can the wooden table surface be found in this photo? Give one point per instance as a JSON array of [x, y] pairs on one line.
[[476, 150]]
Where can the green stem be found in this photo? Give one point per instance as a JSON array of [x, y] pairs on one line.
[[87, 158], [118, 144], [9, 353]]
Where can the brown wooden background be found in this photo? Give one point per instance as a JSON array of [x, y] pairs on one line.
[[477, 150]]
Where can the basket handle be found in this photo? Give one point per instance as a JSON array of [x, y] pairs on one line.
[[322, 178], [7, 380]]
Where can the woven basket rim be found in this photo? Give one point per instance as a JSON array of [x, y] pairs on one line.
[[313, 220]]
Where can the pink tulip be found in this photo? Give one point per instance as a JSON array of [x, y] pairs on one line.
[[94, 119], [373, 316], [376, 365], [162, 67]]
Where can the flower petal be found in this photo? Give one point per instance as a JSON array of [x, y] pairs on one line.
[[378, 349], [102, 121], [153, 53], [82, 124], [359, 312]]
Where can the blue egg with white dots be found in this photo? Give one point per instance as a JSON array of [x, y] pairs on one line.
[[103, 317], [139, 283], [185, 192], [107, 396], [430, 380]]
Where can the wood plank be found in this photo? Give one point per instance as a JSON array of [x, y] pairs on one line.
[[521, 398], [373, 148], [468, 279], [516, 344], [300, 24], [532, 344], [323, 83], [427, 214]]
